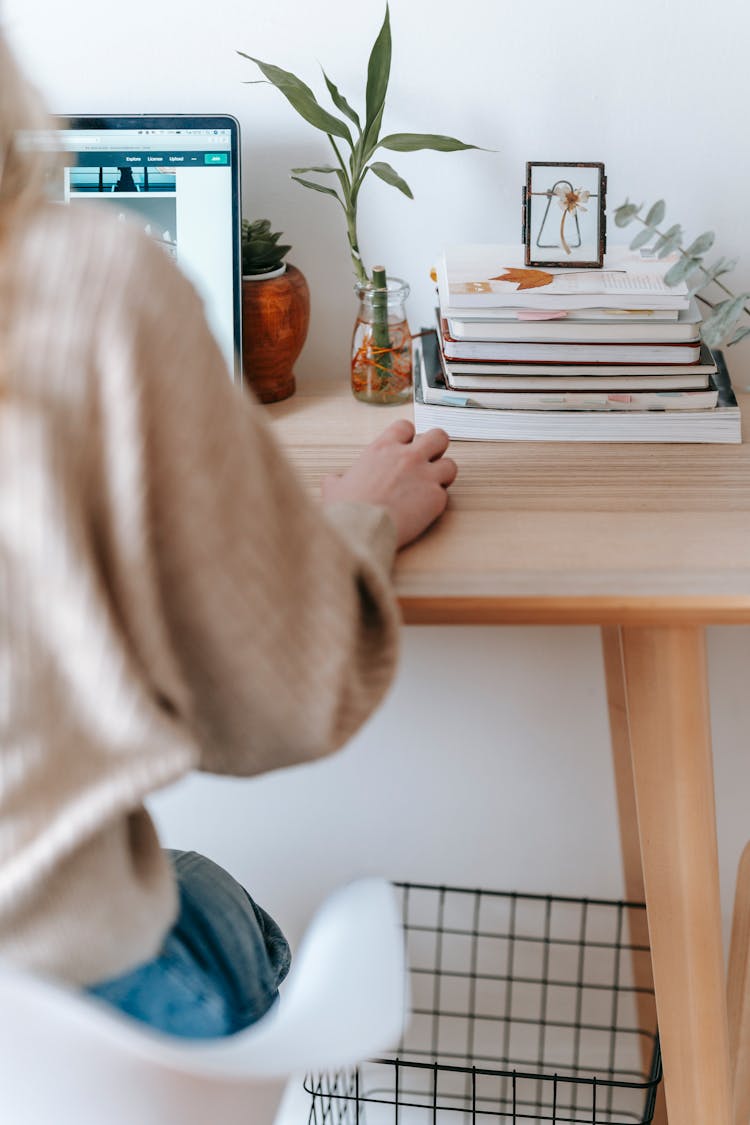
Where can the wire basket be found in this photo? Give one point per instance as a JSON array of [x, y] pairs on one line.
[[523, 1008]]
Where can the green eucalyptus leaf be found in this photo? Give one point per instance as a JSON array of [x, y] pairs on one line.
[[656, 213], [695, 280], [625, 213], [739, 336], [390, 176], [725, 265], [641, 238], [671, 237], [669, 245], [301, 98], [378, 75], [702, 244], [323, 168], [679, 271], [412, 142], [317, 187], [340, 101], [719, 268], [723, 319]]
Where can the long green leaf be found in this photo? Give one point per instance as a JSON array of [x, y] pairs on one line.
[[370, 141], [318, 187], [378, 75], [412, 142], [740, 336], [301, 98], [390, 176], [324, 168], [340, 102]]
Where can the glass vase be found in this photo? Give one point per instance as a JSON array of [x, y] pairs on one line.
[[381, 344]]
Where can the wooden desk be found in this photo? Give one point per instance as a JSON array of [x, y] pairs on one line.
[[652, 542]]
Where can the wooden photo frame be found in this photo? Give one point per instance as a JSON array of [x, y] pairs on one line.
[[564, 214]]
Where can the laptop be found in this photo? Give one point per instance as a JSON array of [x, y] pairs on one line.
[[180, 177]]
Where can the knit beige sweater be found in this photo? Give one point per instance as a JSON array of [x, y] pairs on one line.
[[171, 598]]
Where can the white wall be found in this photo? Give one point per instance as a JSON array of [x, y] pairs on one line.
[[489, 764]]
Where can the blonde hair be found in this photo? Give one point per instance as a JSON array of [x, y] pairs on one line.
[[24, 167]]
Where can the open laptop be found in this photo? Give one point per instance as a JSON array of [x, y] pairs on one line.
[[180, 176]]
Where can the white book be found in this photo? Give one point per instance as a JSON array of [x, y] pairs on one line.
[[520, 351], [477, 276], [464, 422], [504, 316], [564, 327]]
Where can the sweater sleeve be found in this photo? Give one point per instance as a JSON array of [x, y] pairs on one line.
[[279, 614]]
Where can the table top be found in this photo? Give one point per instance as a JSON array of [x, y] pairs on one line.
[[556, 533]]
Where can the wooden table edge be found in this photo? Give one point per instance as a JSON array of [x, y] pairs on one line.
[[599, 610]]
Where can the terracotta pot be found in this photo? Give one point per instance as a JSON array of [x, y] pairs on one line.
[[275, 319]]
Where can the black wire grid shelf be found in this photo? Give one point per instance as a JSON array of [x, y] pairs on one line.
[[523, 1008]]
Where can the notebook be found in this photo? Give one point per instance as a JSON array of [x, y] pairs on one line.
[[179, 176]]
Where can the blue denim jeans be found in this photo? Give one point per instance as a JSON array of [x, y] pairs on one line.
[[220, 966]]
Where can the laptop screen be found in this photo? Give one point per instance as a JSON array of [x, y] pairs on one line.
[[179, 178]]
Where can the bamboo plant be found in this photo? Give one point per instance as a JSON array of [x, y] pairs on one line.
[[354, 138]]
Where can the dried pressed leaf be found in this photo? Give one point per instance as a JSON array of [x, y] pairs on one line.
[[526, 279]]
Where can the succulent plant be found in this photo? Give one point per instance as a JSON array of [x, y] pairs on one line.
[[261, 252]]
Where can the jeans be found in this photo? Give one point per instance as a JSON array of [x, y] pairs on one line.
[[220, 966]]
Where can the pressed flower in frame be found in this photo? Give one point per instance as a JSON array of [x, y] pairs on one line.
[[571, 200], [579, 189]]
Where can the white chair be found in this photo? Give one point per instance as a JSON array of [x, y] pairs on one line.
[[67, 1059]]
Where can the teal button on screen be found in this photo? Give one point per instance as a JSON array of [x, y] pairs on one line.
[[215, 157]]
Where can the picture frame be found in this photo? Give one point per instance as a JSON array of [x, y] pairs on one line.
[[564, 220]]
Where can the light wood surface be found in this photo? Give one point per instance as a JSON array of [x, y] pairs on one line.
[[668, 718], [630, 848], [652, 542], [554, 533], [738, 993]]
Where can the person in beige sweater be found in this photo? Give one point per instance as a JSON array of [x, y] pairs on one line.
[[172, 600]]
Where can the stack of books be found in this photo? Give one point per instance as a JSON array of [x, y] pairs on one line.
[[590, 355]]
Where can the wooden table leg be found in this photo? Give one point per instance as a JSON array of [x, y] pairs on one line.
[[738, 993], [630, 847], [668, 719]]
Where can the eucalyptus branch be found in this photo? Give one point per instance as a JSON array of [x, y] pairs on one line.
[[698, 264], [725, 314]]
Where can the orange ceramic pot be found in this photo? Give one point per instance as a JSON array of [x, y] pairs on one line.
[[275, 319]]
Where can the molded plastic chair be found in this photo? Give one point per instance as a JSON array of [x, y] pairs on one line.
[[67, 1059]]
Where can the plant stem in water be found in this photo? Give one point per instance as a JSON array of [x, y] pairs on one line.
[[380, 332]]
